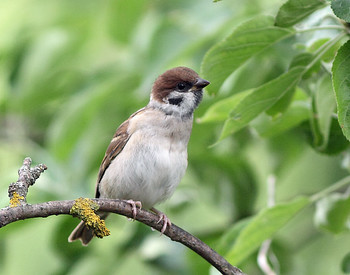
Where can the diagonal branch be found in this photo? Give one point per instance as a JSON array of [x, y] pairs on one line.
[[175, 233], [20, 210]]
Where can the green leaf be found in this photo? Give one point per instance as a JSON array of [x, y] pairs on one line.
[[75, 120], [123, 17], [262, 227], [325, 106], [341, 9], [247, 40], [337, 143], [318, 140], [229, 238], [300, 60], [345, 264], [267, 127], [71, 123], [330, 54], [260, 100], [294, 11], [265, 96], [333, 213], [220, 110], [304, 59], [341, 85], [281, 105]]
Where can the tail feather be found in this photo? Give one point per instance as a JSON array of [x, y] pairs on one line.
[[83, 233]]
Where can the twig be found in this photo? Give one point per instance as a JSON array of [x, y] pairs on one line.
[[26, 177], [263, 258], [264, 250], [22, 211]]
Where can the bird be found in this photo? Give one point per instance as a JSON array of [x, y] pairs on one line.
[[147, 156]]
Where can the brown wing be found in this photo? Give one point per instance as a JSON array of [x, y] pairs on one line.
[[117, 144]]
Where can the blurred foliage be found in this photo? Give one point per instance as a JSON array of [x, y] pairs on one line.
[[72, 71]]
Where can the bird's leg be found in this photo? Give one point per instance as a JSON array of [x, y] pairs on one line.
[[134, 205], [162, 216]]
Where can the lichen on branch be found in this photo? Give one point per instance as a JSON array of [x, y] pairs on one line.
[[85, 209], [16, 200]]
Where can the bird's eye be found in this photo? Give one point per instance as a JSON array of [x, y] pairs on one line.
[[181, 86]]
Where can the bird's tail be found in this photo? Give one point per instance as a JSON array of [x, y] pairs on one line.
[[83, 233]]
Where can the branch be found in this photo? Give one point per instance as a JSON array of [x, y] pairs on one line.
[[175, 233], [26, 177], [25, 211]]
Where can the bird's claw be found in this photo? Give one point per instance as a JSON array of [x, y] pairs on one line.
[[134, 206], [164, 218]]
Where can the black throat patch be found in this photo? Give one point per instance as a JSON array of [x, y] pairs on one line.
[[175, 101]]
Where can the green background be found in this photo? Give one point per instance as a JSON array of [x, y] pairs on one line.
[[72, 71]]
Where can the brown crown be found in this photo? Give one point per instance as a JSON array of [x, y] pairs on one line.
[[168, 81]]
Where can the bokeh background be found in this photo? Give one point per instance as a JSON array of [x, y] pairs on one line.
[[72, 71]]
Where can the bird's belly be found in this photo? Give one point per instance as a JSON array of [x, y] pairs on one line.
[[147, 172]]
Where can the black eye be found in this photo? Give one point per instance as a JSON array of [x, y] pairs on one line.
[[181, 86]]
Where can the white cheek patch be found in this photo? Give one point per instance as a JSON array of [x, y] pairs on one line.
[[182, 104], [178, 104]]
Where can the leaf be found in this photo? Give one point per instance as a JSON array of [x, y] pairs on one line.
[[333, 213], [281, 105], [123, 17], [267, 127], [265, 96], [341, 86], [337, 143], [262, 227], [304, 59], [341, 9], [71, 123], [247, 40], [260, 100], [229, 238], [325, 106], [345, 264], [294, 11], [330, 54], [219, 111]]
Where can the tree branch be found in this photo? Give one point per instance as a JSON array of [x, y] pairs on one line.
[[25, 211], [175, 233], [26, 177]]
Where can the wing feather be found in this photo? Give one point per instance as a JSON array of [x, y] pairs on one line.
[[118, 142]]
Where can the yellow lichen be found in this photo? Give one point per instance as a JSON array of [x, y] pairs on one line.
[[85, 209], [16, 200]]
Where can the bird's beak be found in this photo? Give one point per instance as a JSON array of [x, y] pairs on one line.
[[201, 83]]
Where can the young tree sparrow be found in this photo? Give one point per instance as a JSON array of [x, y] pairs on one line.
[[147, 156]]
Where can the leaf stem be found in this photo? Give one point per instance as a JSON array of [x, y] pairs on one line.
[[334, 187], [320, 28], [324, 48]]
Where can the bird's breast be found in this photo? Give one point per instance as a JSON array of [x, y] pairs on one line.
[[152, 162]]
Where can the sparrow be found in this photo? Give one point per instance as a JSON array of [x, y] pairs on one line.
[[147, 156]]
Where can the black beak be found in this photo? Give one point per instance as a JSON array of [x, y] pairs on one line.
[[201, 83]]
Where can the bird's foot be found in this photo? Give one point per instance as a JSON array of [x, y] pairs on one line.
[[162, 217], [134, 206]]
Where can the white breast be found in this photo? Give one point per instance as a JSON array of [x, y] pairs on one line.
[[152, 162]]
